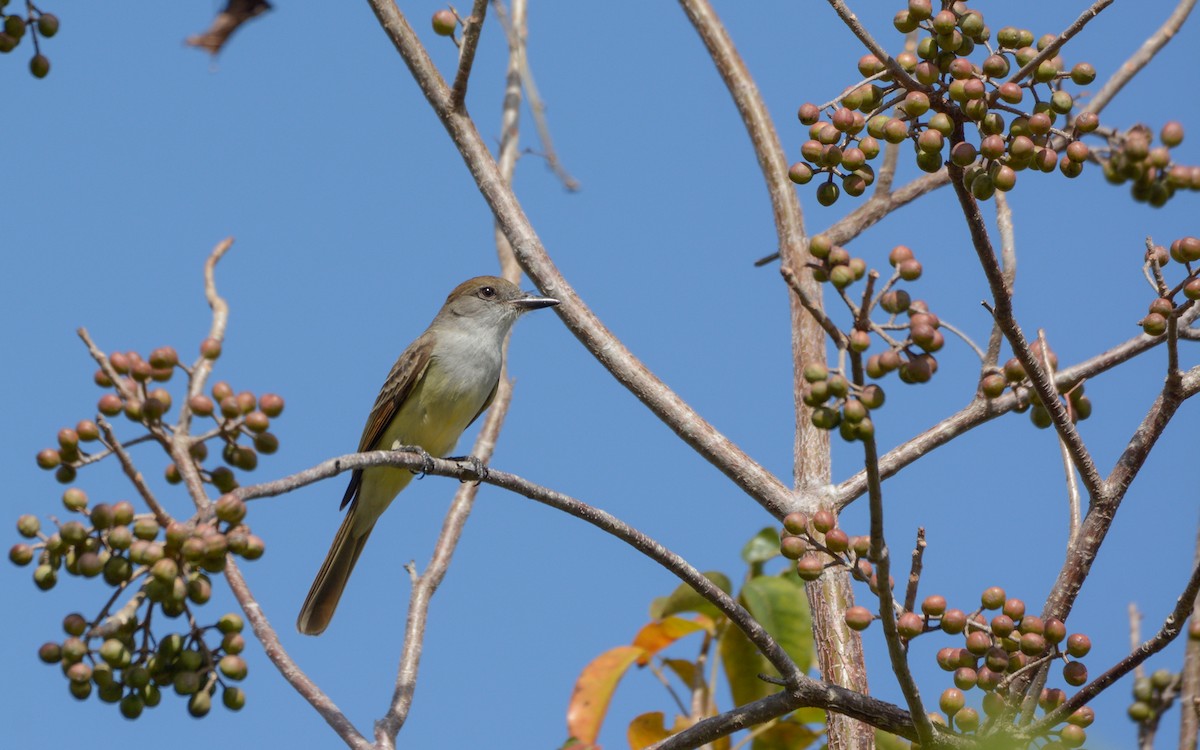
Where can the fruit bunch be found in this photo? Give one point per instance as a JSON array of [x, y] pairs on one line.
[[160, 570], [841, 402], [992, 106], [13, 29]]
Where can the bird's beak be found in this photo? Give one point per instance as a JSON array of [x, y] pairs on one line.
[[533, 302]]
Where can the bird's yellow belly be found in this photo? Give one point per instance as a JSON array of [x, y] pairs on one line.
[[431, 417]]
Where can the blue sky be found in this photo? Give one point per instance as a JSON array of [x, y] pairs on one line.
[[354, 216]]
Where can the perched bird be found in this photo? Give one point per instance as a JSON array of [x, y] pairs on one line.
[[440, 384]]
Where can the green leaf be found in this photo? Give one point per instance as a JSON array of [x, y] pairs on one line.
[[685, 599], [762, 546], [779, 604]]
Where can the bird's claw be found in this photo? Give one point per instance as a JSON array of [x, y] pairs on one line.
[[477, 466]]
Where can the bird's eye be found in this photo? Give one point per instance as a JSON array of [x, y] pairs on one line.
[[487, 292]]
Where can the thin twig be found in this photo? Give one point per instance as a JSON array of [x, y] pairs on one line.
[[290, 671], [870, 213], [1073, 501], [814, 309], [1141, 58], [536, 105], [131, 471], [472, 25], [881, 558], [1042, 382], [897, 71], [1051, 49], [1008, 264], [1189, 680], [914, 574]]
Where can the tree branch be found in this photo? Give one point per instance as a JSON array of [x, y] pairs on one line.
[[292, 673], [416, 460], [1051, 49], [472, 25], [1141, 58]]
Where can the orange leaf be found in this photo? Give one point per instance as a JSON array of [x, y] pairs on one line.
[[594, 689], [657, 635], [647, 729]]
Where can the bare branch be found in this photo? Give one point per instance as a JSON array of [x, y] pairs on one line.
[[1171, 628], [718, 450], [516, 39], [417, 460], [1051, 49], [295, 676], [1141, 58], [1042, 382], [914, 575], [880, 556], [898, 72], [472, 25], [131, 471], [1008, 262]]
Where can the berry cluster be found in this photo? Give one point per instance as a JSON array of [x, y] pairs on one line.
[[818, 543], [1165, 307], [14, 26], [134, 394], [159, 568], [1132, 157], [995, 649], [117, 652], [836, 401], [1012, 94]]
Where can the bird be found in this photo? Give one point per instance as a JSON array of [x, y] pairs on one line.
[[439, 385]]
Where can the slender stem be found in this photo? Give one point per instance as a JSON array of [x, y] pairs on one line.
[[897, 71], [1008, 264], [472, 25], [131, 471], [1043, 385], [1051, 49], [881, 558], [290, 671], [1141, 58]]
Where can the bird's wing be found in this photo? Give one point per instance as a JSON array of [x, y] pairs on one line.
[[405, 374]]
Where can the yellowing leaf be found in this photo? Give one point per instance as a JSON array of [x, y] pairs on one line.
[[685, 599], [657, 635], [647, 729], [594, 689]]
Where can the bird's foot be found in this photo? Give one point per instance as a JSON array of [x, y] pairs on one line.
[[426, 459], [478, 467]]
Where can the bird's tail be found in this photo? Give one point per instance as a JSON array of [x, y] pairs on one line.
[[331, 579]]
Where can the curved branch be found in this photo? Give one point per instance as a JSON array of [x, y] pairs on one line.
[[292, 673], [419, 461], [1141, 58]]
